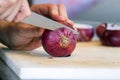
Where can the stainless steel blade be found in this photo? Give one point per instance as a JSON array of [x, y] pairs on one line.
[[43, 22]]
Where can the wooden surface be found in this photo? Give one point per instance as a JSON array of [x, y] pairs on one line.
[[89, 59]]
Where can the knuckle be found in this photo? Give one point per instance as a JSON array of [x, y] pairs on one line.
[[11, 2], [62, 5], [52, 5], [26, 12]]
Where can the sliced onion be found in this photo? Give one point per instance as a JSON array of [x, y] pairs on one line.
[[86, 32]]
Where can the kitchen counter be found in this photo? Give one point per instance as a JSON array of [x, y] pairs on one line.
[[90, 60]]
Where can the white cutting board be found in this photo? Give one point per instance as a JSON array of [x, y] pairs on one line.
[[90, 60]]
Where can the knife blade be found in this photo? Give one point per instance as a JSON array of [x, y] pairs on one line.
[[44, 22]]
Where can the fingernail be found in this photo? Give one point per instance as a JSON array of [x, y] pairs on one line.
[[70, 22]]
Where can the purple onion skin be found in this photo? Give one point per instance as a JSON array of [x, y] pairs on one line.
[[101, 29], [85, 34], [53, 45], [111, 38], [108, 37]]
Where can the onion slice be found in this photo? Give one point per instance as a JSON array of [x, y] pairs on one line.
[[86, 32]]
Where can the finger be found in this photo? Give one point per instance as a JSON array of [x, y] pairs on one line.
[[41, 9], [8, 12], [24, 12], [69, 25], [15, 11], [54, 13], [70, 22], [53, 10], [6, 4], [32, 44], [62, 10]]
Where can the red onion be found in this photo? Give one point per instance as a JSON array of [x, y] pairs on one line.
[[101, 29], [60, 42], [109, 34], [86, 32]]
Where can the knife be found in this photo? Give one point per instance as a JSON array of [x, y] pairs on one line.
[[44, 22]]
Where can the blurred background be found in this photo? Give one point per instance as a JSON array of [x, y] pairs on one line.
[[89, 10]]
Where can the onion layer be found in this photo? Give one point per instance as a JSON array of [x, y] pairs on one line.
[[60, 42]]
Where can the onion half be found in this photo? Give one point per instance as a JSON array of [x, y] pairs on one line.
[[109, 34], [86, 32], [60, 42]]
